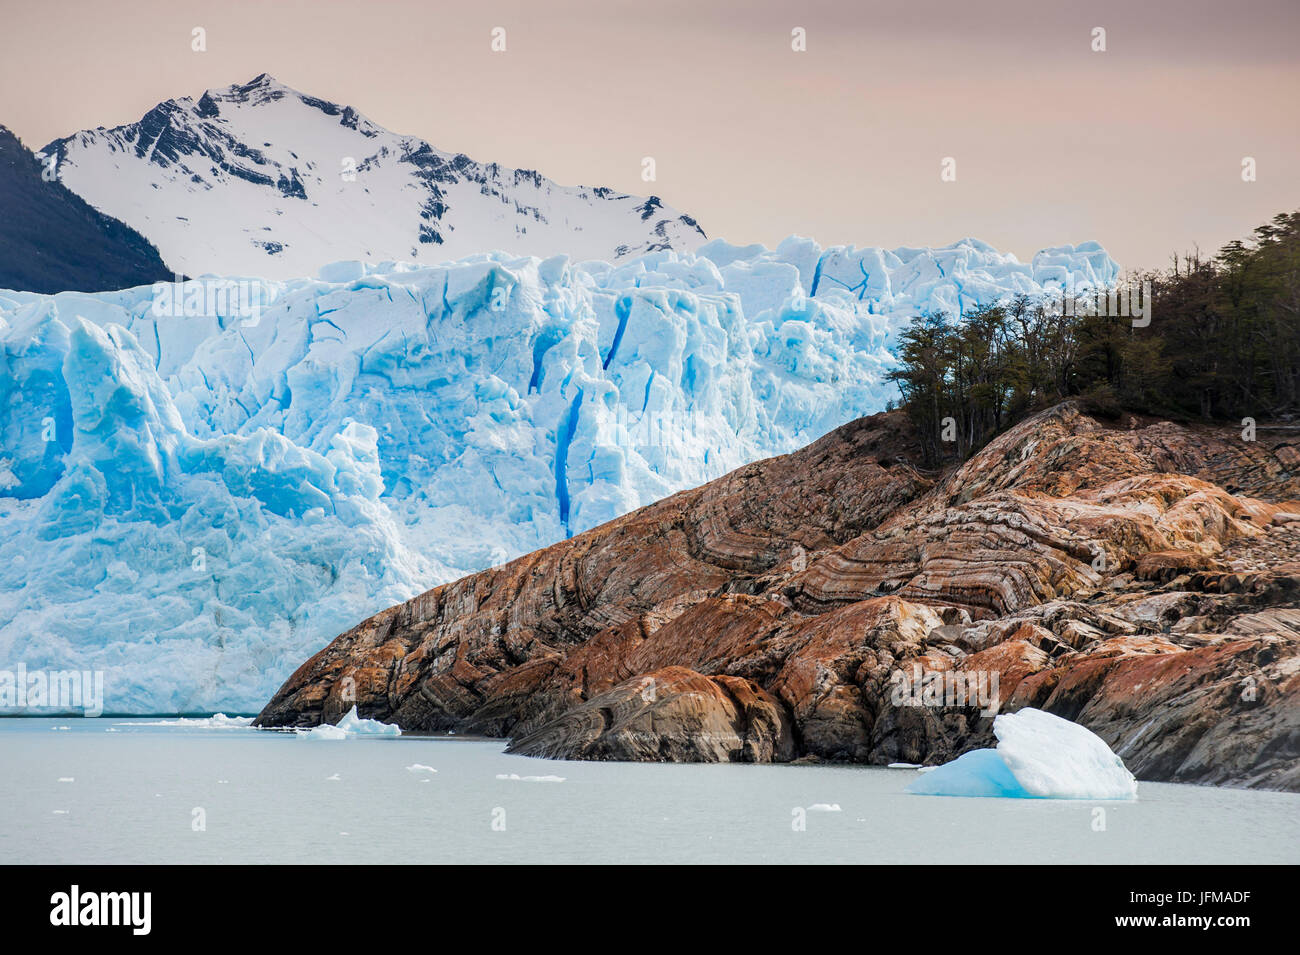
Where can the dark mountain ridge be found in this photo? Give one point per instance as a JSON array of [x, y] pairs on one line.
[[51, 240]]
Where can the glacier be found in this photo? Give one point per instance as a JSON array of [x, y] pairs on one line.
[[198, 491], [1038, 756]]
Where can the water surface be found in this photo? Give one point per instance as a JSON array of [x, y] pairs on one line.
[[270, 797]]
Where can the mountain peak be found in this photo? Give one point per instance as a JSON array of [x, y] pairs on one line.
[[262, 88], [260, 81], [258, 178]]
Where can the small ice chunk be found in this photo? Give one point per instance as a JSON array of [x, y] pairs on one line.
[[420, 768], [905, 766], [323, 732], [824, 807], [219, 721], [354, 725], [530, 779], [350, 725]]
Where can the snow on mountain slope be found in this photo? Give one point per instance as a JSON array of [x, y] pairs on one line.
[[196, 494], [259, 179]]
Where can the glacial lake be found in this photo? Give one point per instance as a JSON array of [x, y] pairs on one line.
[[112, 790]]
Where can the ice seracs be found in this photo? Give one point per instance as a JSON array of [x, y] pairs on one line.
[[197, 491], [1038, 755]]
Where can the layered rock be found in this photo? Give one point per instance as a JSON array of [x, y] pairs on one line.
[[841, 603]]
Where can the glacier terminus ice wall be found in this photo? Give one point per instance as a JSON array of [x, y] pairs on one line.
[[195, 495]]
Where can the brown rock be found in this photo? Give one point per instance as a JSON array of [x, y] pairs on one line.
[[1013, 660], [777, 608], [669, 715], [1164, 565]]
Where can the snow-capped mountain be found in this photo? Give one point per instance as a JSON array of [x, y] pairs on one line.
[[260, 179], [202, 484]]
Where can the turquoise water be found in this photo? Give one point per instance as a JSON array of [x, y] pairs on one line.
[[137, 794]]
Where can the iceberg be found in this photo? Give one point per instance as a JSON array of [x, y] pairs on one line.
[[1038, 756], [203, 482], [349, 726]]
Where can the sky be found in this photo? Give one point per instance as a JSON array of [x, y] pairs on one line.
[[1139, 147]]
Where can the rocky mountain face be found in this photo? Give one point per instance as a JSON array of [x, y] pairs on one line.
[[1139, 577], [52, 241], [260, 179]]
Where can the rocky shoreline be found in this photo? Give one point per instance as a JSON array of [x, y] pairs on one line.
[[1136, 576]]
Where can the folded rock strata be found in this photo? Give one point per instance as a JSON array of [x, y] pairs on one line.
[[1139, 577]]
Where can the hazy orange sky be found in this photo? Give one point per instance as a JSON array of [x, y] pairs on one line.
[[1139, 147]]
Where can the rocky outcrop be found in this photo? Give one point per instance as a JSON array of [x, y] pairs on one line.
[[841, 603], [674, 715]]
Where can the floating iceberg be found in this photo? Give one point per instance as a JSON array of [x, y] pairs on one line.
[[351, 725], [1038, 756], [202, 484]]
